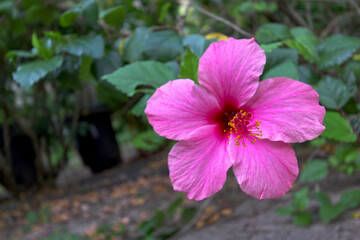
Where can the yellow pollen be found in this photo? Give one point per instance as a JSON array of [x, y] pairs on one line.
[[243, 129]]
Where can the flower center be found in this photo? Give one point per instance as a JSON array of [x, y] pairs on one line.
[[243, 128]]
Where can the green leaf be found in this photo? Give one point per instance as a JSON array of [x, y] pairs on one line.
[[85, 69], [163, 46], [189, 66], [333, 93], [114, 16], [272, 32], [174, 205], [314, 171], [338, 128], [283, 211], [134, 45], [305, 42], [307, 75], [29, 73], [164, 11], [196, 43], [351, 83], [322, 198], [40, 47], [20, 53], [92, 46], [140, 106], [270, 47], [301, 199], [350, 198], [148, 140], [285, 69], [188, 214], [86, 8], [336, 49], [279, 56], [302, 219], [330, 212], [150, 73]]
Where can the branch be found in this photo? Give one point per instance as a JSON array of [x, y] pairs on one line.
[[292, 14], [355, 5], [334, 23], [220, 19]]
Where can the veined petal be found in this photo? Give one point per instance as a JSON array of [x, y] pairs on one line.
[[289, 110], [180, 107], [231, 69], [198, 165], [265, 169]]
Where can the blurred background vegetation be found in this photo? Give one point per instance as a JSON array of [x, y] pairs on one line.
[[76, 75]]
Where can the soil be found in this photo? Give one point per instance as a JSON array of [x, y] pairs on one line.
[[129, 194]]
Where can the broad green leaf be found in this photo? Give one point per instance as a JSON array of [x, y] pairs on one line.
[[336, 49], [163, 46], [272, 32], [149, 73], [148, 140], [305, 42], [322, 198], [279, 56], [353, 66], [270, 46], [350, 198], [92, 46], [29, 73], [114, 16], [314, 171], [111, 61], [351, 83], [301, 199], [338, 128], [196, 43], [189, 66], [134, 45], [307, 75], [302, 219], [285, 69], [86, 8], [333, 93], [330, 212]]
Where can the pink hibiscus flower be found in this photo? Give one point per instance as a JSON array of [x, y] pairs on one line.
[[232, 119]]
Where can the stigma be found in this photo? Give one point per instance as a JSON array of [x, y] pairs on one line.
[[244, 129]]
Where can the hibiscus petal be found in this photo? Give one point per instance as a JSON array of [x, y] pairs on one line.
[[231, 69], [180, 107], [265, 169], [289, 110], [198, 165]]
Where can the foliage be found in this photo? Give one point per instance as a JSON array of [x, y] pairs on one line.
[[52, 51]]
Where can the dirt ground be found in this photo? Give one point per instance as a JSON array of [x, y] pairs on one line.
[[129, 194]]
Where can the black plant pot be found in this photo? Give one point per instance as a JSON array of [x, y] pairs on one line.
[[22, 157], [96, 141]]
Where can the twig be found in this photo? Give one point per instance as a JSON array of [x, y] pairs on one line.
[[220, 19], [355, 5], [333, 23], [198, 214], [292, 14], [180, 21]]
